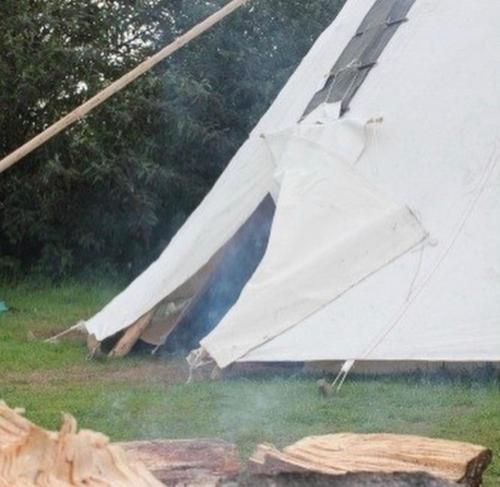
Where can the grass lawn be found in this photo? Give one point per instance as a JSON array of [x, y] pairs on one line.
[[141, 397]]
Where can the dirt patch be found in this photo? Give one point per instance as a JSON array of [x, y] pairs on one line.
[[106, 372]]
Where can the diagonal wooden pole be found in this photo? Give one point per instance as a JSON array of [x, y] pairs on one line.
[[118, 85]]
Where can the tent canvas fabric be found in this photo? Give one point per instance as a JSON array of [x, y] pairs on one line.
[[385, 240]]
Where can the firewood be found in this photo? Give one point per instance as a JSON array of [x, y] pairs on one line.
[[339, 454], [186, 462], [131, 336], [31, 456]]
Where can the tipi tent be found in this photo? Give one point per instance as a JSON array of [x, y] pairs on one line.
[[377, 173]]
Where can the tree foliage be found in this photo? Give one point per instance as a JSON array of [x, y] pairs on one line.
[[110, 192]]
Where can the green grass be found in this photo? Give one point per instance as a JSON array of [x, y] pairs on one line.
[[140, 397]]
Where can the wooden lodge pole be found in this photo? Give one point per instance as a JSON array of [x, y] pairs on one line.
[[119, 84]]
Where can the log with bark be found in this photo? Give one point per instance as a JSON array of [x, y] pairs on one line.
[[186, 462], [349, 453]]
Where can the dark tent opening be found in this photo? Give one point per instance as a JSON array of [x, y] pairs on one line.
[[241, 257]]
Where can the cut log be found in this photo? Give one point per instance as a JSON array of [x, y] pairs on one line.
[[186, 462], [339, 454], [130, 337], [31, 456]]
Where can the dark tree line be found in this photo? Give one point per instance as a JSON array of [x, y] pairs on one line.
[[107, 195]]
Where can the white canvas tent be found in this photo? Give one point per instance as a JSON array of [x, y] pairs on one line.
[[381, 154]]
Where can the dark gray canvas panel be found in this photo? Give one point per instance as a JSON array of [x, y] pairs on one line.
[[361, 53], [385, 11]]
